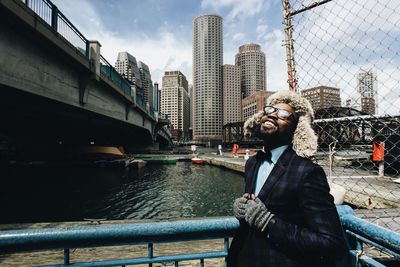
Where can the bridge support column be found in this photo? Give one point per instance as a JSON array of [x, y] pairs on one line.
[[94, 75], [94, 57]]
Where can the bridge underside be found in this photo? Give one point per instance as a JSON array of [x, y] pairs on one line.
[[47, 125]]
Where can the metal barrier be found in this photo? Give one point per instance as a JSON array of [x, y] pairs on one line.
[[123, 234], [357, 231], [50, 14], [111, 73], [362, 236], [342, 56]]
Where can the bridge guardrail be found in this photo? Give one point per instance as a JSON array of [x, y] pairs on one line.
[[357, 231], [110, 72], [52, 16], [49, 12]]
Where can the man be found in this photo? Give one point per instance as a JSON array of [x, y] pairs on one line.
[[287, 216]]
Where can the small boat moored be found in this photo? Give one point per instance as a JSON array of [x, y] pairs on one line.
[[199, 161]]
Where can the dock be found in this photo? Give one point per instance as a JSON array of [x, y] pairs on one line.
[[364, 188]]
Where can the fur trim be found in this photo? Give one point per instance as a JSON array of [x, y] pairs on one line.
[[305, 141], [252, 125]]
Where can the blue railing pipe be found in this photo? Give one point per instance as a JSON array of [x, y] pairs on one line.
[[117, 234], [369, 231], [357, 231]]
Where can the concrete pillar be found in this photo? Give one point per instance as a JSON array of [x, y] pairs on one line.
[[94, 56]]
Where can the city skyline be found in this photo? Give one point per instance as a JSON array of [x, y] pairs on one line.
[[160, 33]]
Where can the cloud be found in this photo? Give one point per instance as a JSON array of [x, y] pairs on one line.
[[162, 50], [238, 8], [275, 61], [261, 30], [238, 36], [333, 43]]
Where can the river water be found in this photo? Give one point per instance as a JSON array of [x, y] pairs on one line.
[[39, 193]]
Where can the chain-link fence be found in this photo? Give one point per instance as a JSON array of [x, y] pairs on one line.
[[346, 61]]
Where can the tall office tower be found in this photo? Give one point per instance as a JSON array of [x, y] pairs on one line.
[[175, 103], [322, 97], [231, 94], [156, 97], [367, 87], [127, 66], [147, 84], [191, 106], [251, 61], [207, 78]]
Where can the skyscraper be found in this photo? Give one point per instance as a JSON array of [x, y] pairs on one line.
[[175, 103], [231, 94], [367, 87], [147, 84], [251, 61], [207, 77], [127, 66]]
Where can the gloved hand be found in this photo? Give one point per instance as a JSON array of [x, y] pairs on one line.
[[239, 207], [257, 214]]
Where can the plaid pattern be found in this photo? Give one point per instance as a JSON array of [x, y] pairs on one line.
[[307, 230]]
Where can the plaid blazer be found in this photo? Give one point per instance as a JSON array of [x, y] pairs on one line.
[[307, 230]]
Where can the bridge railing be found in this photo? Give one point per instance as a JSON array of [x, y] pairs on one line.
[[52, 16], [49, 12], [111, 73], [358, 233]]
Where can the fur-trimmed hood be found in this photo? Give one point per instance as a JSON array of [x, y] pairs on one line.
[[305, 141]]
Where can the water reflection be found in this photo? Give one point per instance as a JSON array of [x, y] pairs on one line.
[[167, 191], [65, 193]]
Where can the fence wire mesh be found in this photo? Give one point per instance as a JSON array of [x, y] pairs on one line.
[[346, 61]]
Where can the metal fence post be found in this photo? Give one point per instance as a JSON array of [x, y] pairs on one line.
[[54, 17]]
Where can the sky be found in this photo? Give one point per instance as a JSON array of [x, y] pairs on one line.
[[159, 32], [332, 42]]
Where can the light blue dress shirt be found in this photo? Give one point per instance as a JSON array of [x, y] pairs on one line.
[[266, 167]]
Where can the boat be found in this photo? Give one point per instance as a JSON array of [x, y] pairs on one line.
[[199, 161], [158, 160]]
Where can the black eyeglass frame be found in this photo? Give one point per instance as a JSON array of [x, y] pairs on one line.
[[281, 113]]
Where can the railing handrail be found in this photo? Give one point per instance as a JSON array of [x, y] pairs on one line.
[[59, 14], [72, 26], [116, 234], [175, 231], [369, 231]]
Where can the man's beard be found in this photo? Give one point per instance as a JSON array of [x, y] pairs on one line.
[[274, 138]]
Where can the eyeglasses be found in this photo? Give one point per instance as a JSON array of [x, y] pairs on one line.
[[282, 114]]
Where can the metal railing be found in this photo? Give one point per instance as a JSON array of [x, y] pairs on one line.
[[342, 57], [111, 73], [358, 233], [49, 12], [52, 16], [123, 234], [362, 236]]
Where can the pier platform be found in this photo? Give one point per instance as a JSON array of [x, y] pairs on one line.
[[364, 189]]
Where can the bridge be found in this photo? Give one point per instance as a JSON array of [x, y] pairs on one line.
[[343, 125], [56, 88]]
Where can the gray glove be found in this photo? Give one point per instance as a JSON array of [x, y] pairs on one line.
[[239, 207], [257, 214]]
